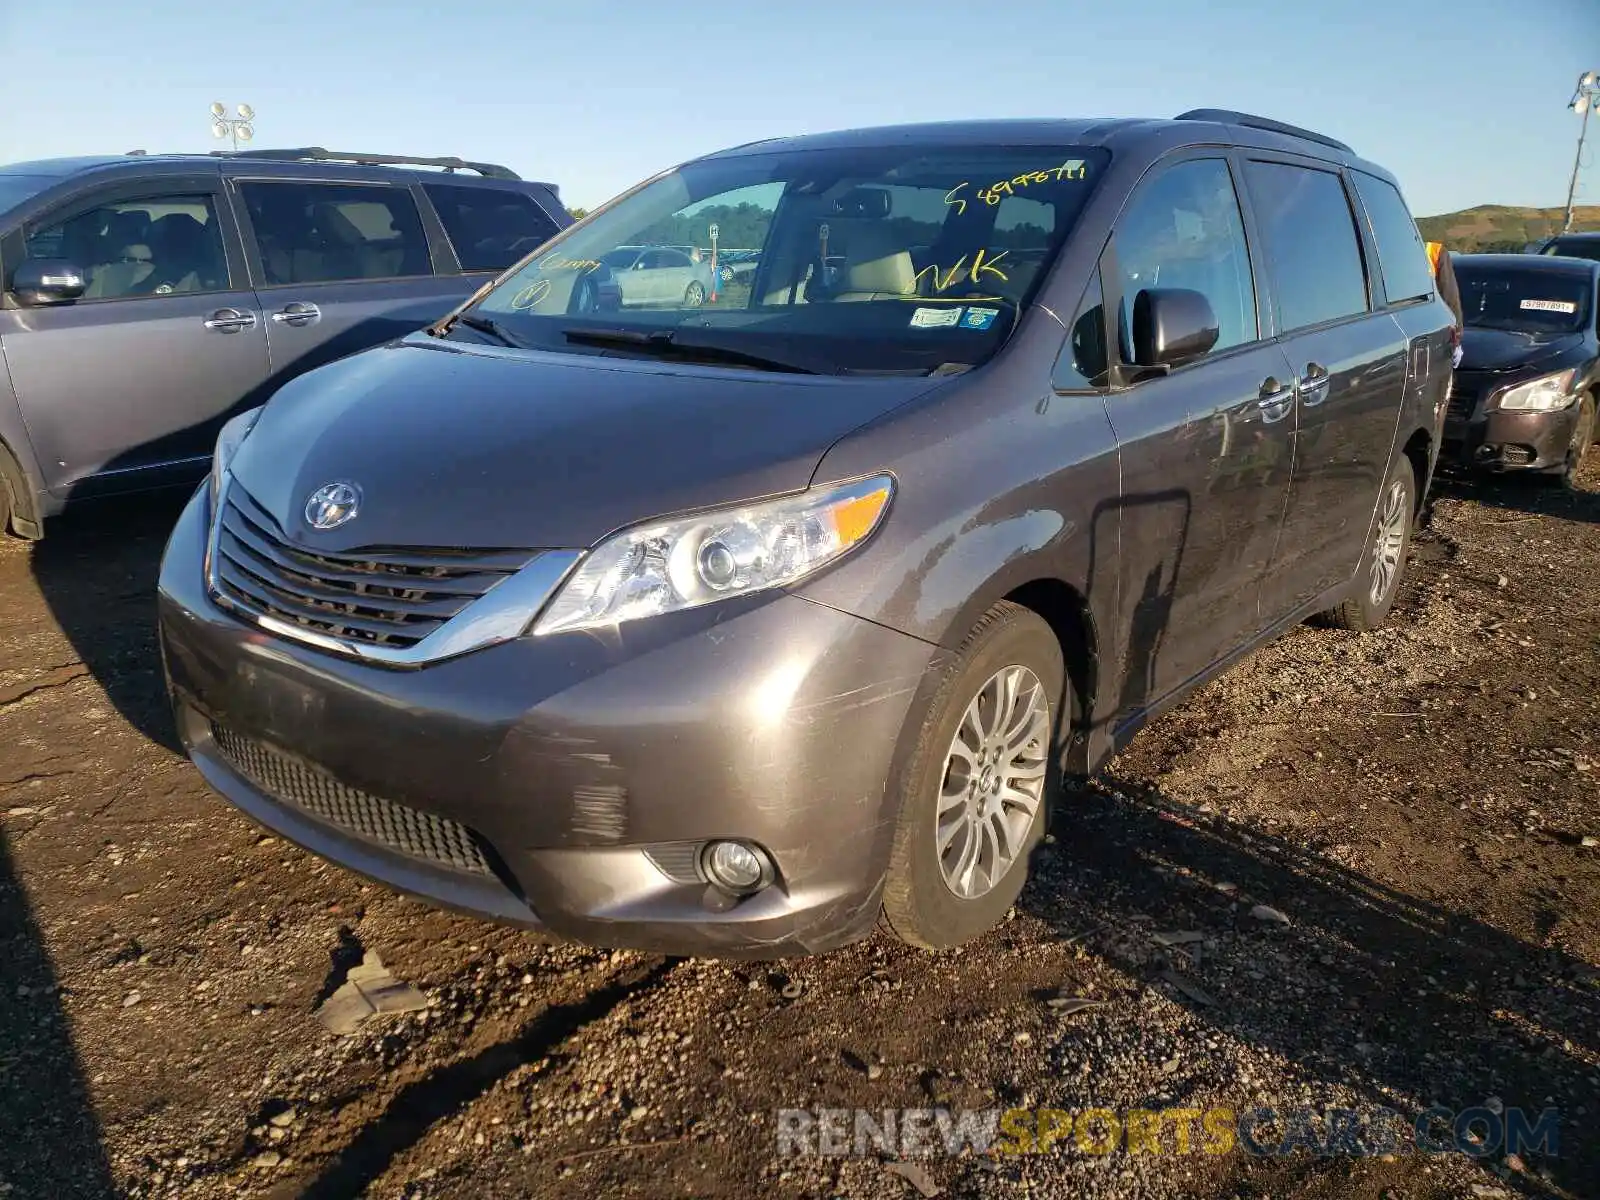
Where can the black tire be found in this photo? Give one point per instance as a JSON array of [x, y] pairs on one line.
[[694, 295], [1583, 435], [919, 907], [1368, 605]]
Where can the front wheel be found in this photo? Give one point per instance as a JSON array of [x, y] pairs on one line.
[[975, 792], [694, 295], [1582, 438], [1378, 583]]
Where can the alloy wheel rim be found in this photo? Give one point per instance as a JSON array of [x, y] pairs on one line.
[[993, 784], [1390, 543]]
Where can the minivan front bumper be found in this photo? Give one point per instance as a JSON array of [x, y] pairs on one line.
[[568, 782]]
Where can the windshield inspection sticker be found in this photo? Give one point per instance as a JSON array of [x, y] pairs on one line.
[[1560, 306], [936, 318], [979, 318]]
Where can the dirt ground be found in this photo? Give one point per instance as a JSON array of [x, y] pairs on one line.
[[1414, 803]]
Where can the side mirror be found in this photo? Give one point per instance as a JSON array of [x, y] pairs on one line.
[[41, 281], [1172, 326]]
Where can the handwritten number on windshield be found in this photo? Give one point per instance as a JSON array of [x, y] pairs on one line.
[[1073, 168]]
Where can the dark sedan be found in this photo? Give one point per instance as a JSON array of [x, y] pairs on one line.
[[1524, 397]]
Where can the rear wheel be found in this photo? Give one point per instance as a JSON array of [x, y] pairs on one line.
[[975, 794], [1373, 593]]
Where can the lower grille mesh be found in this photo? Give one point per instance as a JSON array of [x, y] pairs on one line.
[[401, 828]]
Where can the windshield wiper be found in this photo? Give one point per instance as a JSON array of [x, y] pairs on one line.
[[486, 325], [667, 343]]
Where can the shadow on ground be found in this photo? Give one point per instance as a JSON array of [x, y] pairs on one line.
[[1535, 496], [97, 571], [1367, 988], [51, 1138]]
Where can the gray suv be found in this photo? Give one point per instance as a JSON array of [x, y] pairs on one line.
[[149, 298], [738, 627]]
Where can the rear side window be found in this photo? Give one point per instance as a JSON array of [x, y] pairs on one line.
[[490, 229], [1311, 243], [1183, 230], [1401, 253], [324, 232]]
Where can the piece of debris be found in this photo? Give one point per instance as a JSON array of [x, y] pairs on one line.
[[282, 1120], [869, 1067], [131, 999], [916, 1176], [1181, 937], [368, 988], [1067, 1005], [266, 1160], [791, 990], [1192, 990], [1589, 840], [1263, 912]]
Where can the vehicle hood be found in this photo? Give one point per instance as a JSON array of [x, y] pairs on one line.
[[455, 445], [1506, 350]]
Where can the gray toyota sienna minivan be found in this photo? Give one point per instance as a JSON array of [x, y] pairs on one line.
[[738, 622]]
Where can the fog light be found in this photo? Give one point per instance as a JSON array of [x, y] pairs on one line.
[[737, 867]]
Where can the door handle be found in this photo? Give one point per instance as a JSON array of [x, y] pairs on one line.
[[1314, 385], [1275, 400], [229, 320], [298, 313]]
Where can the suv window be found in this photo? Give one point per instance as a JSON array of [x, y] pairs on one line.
[[1403, 257], [157, 246], [490, 229], [320, 232], [1183, 230], [1311, 243]]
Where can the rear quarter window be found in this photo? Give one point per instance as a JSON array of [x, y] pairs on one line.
[[489, 228], [1401, 252]]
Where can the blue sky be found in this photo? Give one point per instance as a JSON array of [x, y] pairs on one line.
[[1463, 100]]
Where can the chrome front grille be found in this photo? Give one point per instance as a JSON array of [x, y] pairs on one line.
[[406, 830], [378, 598]]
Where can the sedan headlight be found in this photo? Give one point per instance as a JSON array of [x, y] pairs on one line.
[[683, 563], [1545, 394], [228, 443]]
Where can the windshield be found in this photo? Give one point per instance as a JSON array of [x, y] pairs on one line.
[[14, 189], [1524, 301], [880, 259], [1575, 248]]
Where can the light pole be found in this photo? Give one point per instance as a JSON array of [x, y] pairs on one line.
[[1584, 100], [239, 128]]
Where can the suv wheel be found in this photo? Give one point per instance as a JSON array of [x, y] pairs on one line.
[[1372, 595], [1582, 438], [975, 794]]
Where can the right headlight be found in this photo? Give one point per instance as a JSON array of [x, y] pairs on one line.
[[228, 442], [1545, 394], [665, 566]]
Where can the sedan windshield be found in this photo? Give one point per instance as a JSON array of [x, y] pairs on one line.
[[1524, 301], [879, 259]]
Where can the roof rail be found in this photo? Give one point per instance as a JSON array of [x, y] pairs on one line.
[[318, 154], [1227, 116]]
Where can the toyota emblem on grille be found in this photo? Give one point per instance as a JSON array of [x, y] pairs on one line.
[[333, 505]]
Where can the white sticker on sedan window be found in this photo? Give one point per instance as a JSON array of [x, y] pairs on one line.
[[1560, 306], [936, 318]]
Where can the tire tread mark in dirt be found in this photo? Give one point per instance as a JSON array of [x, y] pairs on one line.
[[451, 1088]]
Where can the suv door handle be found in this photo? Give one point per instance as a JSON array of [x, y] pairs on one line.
[[1314, 385], [229, 320], [1275, 400], [298, 313]]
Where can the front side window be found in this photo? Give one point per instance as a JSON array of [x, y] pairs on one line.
[[322, 232], [897, 259], [1406, 274], [1183, 230], [156, 246], [1523, 301], [1311, 243], [489, 228], [1083, 362]]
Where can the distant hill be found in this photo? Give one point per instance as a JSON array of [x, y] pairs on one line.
[[1495, 227]]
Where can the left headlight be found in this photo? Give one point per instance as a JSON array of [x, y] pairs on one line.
[[683, 563], [1545, 394], [228, 443]]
